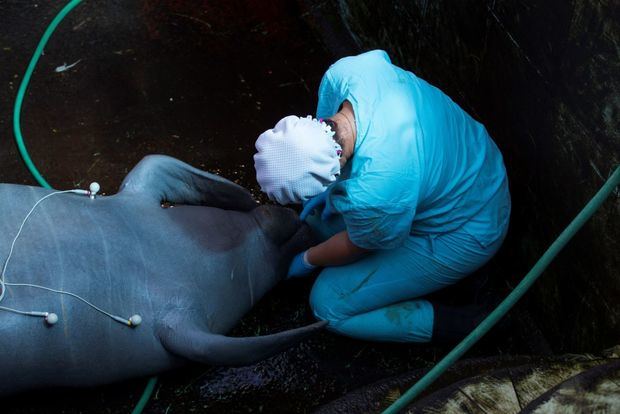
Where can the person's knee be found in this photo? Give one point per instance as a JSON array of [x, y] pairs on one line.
[[326, 304]]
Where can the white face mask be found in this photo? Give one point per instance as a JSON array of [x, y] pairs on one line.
[[296, 160]]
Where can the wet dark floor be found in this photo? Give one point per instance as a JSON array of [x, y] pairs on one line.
[[195, 81], [198, 81]]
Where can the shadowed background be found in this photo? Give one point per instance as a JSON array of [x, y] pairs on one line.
[[200, 80]]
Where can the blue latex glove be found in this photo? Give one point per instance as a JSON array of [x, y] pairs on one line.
[[319, 200], [299, 267]]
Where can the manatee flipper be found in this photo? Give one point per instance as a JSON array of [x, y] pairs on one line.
[[188, 341], [168, 179]]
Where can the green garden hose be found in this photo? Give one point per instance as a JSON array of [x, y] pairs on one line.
[[19, 139], [24, 85], [512, 298], [146, 395]]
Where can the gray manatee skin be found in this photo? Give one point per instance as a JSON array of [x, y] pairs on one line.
[[190, 271]]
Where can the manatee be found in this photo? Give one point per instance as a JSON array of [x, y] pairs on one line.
[[190, 271]]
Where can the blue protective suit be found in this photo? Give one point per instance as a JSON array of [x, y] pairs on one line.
[[426, 189]]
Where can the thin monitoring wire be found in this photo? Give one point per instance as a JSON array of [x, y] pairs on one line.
[[6, 263], [116, 318], [133, 321]]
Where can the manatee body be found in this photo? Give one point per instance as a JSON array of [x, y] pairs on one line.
[[190, 271]]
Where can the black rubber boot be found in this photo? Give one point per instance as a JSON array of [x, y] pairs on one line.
[[453, 323]]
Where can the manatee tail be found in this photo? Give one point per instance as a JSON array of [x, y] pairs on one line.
[[200, 346]]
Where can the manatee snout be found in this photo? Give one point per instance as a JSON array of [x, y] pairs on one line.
[[279, 224], [284, 228]]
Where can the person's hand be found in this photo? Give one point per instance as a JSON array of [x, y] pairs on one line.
[[310, 205], [299, 266], [319, 200]]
